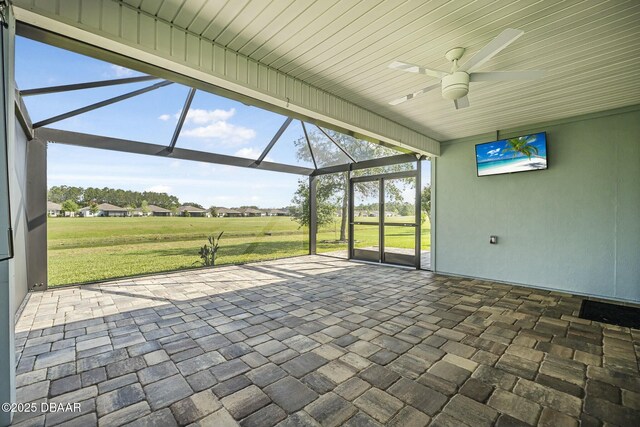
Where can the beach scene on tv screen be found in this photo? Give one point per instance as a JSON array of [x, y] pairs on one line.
[[524, 153]]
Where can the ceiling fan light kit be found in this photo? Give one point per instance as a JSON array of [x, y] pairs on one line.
[[455, 84]]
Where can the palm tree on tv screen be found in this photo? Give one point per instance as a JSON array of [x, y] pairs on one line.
[[522, 145]]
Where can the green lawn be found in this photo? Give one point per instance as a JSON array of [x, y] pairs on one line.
[[89, 249]]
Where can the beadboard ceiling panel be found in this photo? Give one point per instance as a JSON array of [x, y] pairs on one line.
[[589, 49]]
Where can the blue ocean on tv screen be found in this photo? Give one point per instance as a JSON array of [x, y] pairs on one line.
[[524, 153]]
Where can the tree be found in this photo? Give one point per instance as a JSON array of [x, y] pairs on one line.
[[93, 208], [69, 206], [332, 189], [62, 193], [404, 208], [426, 200], [214, 211], [59, 194], [522, 145], [326, 210], [144, 207]]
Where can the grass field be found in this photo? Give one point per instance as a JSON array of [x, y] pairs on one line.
[[90, 249]]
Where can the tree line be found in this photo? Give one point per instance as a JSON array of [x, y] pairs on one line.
[[124, 198]]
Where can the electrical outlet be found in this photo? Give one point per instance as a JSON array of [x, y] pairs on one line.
[[493, 240]]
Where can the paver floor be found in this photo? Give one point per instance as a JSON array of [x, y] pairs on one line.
[[320, 341]]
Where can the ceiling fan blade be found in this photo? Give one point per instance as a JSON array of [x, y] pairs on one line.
[[503, 40], [413, 95], [412, 68], [491, 76], [461, 102]]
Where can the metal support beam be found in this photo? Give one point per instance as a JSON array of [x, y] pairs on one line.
[[313, 213], [350, 208], [36, 212], [181, 119], [306, 136], [337, 145], [136, 147], [158, 62], [273, 141], [23, 116], [365, 164], [418, 213], [381, 199], [87, 85], [390, 175], [100, 104]]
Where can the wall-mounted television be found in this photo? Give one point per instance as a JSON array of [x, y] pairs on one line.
[[520, 154]]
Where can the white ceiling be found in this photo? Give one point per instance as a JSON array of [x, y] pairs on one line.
[[590, 50]]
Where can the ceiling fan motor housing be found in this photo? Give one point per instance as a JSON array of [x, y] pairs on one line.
[[455, 85]]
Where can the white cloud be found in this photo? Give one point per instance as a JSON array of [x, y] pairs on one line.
[[224, 131], [121, 71], [203, 117], [213, 124], [251, 153], [159, 189]]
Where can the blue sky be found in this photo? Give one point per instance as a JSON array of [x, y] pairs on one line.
[[214, 124]]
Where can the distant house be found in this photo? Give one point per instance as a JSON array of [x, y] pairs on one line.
[[53, 209], [193, 211], [228, 213], [252, 212], [158, 211], [86, 212], [277, 212], [104, 209], [152, 210], [366, 213]]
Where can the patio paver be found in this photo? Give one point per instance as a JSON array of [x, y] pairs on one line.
[[320, 341]]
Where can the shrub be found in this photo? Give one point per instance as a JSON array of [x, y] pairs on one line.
[[209, 251]]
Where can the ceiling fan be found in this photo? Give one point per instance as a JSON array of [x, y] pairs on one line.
[[455, 84]]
